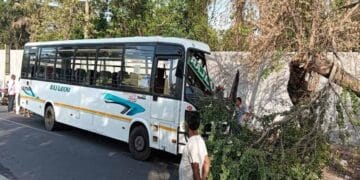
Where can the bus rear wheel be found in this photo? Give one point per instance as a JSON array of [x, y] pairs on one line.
[[139, 143], [49, 116]]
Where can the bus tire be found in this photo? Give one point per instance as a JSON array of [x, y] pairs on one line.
[[50, 122], [139, 143]]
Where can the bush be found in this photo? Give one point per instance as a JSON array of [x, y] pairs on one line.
[[294, 149]]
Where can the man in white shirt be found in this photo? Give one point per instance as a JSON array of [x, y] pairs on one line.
[[11, 92], [195, 162]]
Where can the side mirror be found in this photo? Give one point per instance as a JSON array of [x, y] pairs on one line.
[[155, 97]]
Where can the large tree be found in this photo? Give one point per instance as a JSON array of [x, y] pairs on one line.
[[310, 29], [179, 18], [73, 19], [13, 25], [57, 21]]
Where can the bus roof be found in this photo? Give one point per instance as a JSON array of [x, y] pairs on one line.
[[187, 43]]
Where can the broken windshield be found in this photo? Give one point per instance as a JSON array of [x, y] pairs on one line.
[[198, 83]]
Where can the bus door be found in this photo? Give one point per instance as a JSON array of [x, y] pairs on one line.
[[165, 104]]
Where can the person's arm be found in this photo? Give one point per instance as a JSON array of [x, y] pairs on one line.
[[206, 168], [196, 171], [194, 160]]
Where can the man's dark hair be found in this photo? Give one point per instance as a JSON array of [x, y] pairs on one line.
[[239, 99], [193, 120]]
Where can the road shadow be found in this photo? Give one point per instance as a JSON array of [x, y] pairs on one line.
[[6, 173], [162, 165], [94, 138]]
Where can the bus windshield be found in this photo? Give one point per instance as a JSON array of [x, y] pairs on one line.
[[198, 83]]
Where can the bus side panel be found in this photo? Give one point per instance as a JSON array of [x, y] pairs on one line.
[[165, 113], [63, 115], [113, 111], [30, 100], [168, 137], [64, 98], [99, 111]]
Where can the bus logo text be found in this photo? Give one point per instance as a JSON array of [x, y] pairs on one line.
[[59, 88]]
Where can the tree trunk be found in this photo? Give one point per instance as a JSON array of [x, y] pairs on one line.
[[298, 86], [301, 86], [342, 78]]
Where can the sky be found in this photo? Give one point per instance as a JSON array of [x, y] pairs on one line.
[[220, 14]]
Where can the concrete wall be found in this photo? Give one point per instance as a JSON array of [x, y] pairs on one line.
[[15, 65], [261, 95], [264, 94]]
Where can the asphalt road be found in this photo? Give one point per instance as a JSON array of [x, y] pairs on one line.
[[28, 151]]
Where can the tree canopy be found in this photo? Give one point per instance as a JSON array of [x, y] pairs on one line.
[[66, 19]]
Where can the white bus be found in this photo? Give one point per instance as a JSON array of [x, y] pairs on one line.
[[134, 89]]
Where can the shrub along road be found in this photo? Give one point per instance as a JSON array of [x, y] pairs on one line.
[[27, 151]]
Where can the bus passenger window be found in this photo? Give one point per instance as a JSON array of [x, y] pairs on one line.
[[167, 79], [138, 63], [64, 60], [84, 62], [28, 64], [45, 69], [25, 63], [109, 66]]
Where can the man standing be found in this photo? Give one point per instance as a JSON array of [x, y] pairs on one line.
[[0, 90], [241, 112], [11, 92], [195, 162]]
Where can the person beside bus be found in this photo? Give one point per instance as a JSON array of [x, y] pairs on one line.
[[11, 93], [195, 162], [241, 112], [1, 90]]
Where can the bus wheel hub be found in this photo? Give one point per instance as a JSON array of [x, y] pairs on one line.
[[139, 143]]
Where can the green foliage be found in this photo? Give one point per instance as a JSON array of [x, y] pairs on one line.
[[13, 28], [275, 66], [235, 38], [128, 18], [297, 149], [66, 20], [354, 108], [166, 18], [339, 3], [61, 21], [355, 104]]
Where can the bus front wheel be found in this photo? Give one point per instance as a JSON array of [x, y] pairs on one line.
[[49, 116], [139, 143]]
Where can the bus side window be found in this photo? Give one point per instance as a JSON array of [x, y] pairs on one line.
[[167, 81], [84, 63], [109, 65], [29, 61], [63, 63], [46, 63], [25, 67], [138, 64]]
